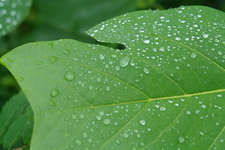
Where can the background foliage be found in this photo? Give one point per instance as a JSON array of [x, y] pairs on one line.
[[61, 19]]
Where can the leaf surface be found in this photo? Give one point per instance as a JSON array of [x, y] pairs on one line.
[[164, 91], [12, 13]]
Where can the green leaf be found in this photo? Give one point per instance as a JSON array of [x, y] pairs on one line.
[[15, 117], [12, 13], [164, 91], [78, 16]]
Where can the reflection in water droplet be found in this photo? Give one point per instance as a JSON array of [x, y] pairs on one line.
[[181, 139], [193, 55], [124, 61], [54, 93], [106, 121], [78, 142], [142, 122], [69, 76]]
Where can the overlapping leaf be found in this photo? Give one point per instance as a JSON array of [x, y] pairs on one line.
[[164, 91], [12, 13], [16, 121]]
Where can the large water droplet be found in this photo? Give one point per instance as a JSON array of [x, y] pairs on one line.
[[124, 61], [54, 93], [69, 76]]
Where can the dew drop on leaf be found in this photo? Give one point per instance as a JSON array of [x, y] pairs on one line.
[[146, 70], [125, 135], [142, 122], [146, 41], [54, 93], [162, 108], [101, 56], [69, 76], [181, 139], [85, 135], [73, 117], [78, 142], [124, 61], [106, 121], [193, 55]]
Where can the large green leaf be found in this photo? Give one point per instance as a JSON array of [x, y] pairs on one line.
[[164, 91], [12, 12]]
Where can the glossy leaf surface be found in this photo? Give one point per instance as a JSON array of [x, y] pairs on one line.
[[164, 91]]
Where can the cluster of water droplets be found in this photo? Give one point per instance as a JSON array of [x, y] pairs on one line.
[[12, 13]]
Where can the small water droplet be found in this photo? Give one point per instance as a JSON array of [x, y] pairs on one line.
[[101, 113], [101, 56], [71, 146], [73, 117], [188, 112], [125, 135], [78, 142], [54, 93], [205, 35], [146, 41], [146, 70], [162, 108], [124, 61], [181, 139], [69, 76], [197, 112], [142, 122], [219, 95], [98, 117], [85, 135], [107, 88], [106, 121], [203, 106], [193, 55]]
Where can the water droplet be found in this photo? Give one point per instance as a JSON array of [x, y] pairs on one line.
[[205, 35], [85, 135], [71, 146], [106, 121], [146, 70], [146, 41], [73, 117], [142, 122], [54, 93], [188, 112], [219, 95], [125, 135], [117, 68], [98, 117], [181, 139], [197, 112], [203, 106], [107, 88], [52, 103], [193, 55], [101, 113], [162, 108], [69, 76], [124, 61], [101, 56], [220, 53], [78, 142]]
